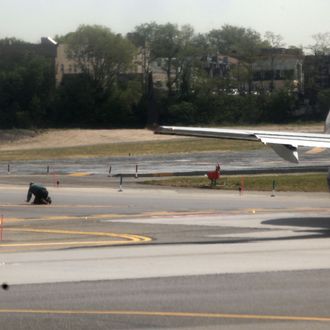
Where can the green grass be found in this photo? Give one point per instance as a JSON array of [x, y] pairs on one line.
[[302, 182], [134, 149]]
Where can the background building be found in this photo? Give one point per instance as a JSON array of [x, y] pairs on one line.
[[278, 68]]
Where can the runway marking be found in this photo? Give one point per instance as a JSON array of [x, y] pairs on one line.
[[170, 314], [67, 218], [128, 238], [79, 174], [172, 214], [64, 244]]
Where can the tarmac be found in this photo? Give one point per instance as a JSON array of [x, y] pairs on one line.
[[249, 162]]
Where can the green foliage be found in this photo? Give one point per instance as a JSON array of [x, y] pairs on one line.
[[26, 86], [227, 109], [75, 104], [324, 101], [80, 102], [104, 95], [235, 40], [278, 107], [176, 49], [100, 53], [183, 113], [118, 110]]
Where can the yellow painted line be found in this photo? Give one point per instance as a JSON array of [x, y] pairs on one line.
[[125, 238], [11, 245], [64, 217], [78, 174], [162, 214], [170, 314], [109, 216], [130, 237]]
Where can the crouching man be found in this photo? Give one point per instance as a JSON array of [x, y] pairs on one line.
[[40, 193]]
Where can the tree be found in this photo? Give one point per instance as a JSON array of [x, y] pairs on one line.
[[76, 103], [11, 41], [241, 43], [188, 60], [274, 41], [278, 107], [26, 85], [100, 53], [321, 44], [324, 102], [142, 37], [236, 41], [184, 113], [166, 47], [173, 48]]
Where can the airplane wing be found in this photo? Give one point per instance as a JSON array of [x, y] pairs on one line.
[[285, 144]]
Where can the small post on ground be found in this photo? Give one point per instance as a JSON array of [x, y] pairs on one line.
[[136, 171], [47, 169], [8, 168], [120, 183], [109, 171], [56, 180], [273, 191]]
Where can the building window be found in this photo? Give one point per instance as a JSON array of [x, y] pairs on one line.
[[288, 74], [278, 75]]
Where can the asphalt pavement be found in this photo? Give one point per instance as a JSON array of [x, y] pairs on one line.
[[156, 258], [111, 254], [262, 160]]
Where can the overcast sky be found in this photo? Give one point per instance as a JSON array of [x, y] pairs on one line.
[[295, 20]]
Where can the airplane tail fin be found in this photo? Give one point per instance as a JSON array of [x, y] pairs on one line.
[[327, 124]]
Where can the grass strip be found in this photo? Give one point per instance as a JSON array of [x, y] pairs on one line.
[[132, 149], [308, 182]]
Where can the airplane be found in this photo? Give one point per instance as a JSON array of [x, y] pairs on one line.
[[285, 144]]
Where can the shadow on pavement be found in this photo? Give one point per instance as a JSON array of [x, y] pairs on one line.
[[319, 222]]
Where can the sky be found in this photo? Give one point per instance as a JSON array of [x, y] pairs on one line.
[[295, 20]]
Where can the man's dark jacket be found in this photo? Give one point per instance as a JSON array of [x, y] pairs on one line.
[[39, 191]]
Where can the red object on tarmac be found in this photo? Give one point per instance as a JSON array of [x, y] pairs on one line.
[[214, 175]]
